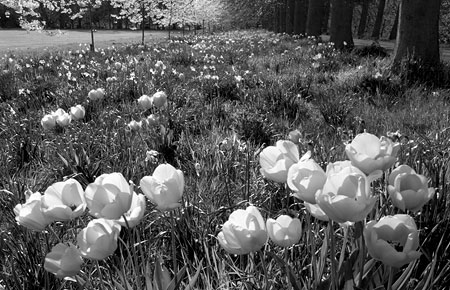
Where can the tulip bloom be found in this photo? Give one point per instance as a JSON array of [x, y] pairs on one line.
[[78, 112], [63, 261], [244, 232], [369, 153], [64, 200], [30, 215], [109, 196], [63, 120], [159, 99], [152, 120], [284, 231], [383, 238], [346, 195], [98, 239], [136, 212], [135, 126], [316, 211], [165, 187], [145, 102], [408, 190], [305, 178], [276, 160], [48, 122], [97, 94]]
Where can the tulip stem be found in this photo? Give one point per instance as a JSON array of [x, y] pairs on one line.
[[174, 254], [263, 264], [391, 277], [97, 264], [363, 252], [333, 257]]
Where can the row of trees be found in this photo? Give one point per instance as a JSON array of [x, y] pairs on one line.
[[36, 14], [109, 14], [415, 23]]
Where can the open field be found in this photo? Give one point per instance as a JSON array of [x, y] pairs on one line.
[[22, 40], [254, 126]]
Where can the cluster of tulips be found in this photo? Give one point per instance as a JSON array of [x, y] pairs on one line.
[[158, 100], [342, 193], [113, 203], [62, 118]]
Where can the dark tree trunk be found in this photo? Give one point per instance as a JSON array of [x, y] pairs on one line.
[[418, 32], [290, 5], [282, 17], [315, 16], [326, 16], [277, 19], [378, 20], [394, 29], [341, 23], [301, 13], [363, 19]]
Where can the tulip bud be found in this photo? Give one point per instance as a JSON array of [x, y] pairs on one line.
[[64, 200], [369, 153], [159, 99], [407, 189], [284, 231], [98, 239], [276, 160], [295, 136], [78, 112], [383, 238], [30, 215], [244, 232], [165, 187], [48, 122], [63, 261], [145, 102], [109, 196]]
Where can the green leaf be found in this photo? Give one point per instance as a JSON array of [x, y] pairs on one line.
[[286, 268], [161, 277], [180, 275], [148, 281], [193, 280]]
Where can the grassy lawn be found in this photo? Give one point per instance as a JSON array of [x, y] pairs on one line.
[[22, 40], [229, 97]]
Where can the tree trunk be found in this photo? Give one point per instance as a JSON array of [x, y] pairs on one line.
[[418, 32], [341, 23], [282, 17], [378, 20], [394, 29], [315, 16], [326, 16], [277, 19], [290, 16], [363, 19], [300, 15]]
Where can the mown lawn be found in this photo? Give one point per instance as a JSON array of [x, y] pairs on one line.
[[230, 95]]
